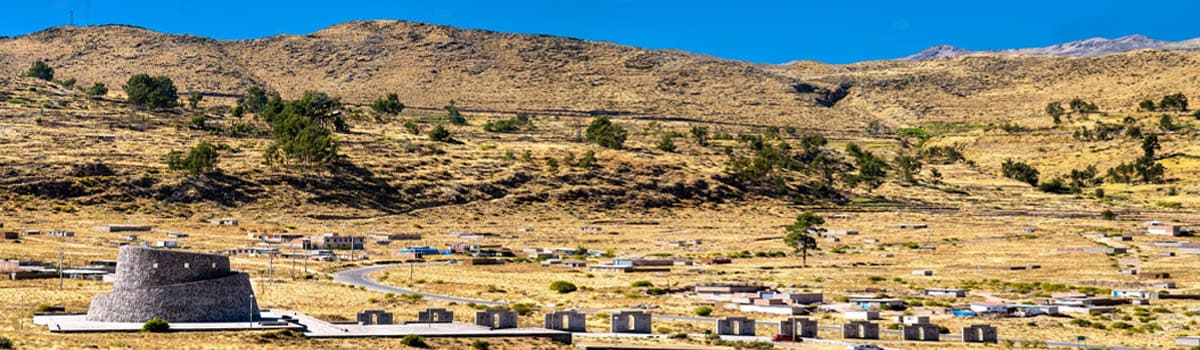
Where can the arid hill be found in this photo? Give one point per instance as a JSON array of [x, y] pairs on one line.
[[428, 65]]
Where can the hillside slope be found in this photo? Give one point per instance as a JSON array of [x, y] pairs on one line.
[[429, 65]]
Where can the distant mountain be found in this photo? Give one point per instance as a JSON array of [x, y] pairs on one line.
[[938, 51], [1081, 48]]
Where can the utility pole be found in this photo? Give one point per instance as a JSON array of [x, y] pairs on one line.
[[60, 267], [410, 272], [293, 264]]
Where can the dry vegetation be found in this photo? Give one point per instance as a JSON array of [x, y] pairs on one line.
[[58, 173]]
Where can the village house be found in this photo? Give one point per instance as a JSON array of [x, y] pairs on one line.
[[121, 228], [1029, 310], [842, 232], [129, 237], [942, 292], [574, 264], [225, 222], [1162, 229], [871, 302], [913, 226], [335, 242], [11, 235], [1189, 248], [634, 265], [166, 244], [989, 307], [274, 238], [590, 228], [688, 243], [388, 237], [61, 234], [1134, 294], [177, 235]]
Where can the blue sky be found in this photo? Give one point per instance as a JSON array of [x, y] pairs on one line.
[[758, 31]]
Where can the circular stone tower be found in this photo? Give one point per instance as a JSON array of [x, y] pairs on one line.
[[175, 286]]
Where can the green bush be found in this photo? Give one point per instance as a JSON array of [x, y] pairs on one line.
[[156, 325], [201, 159], [603, 132], [642, 283], [97, 89], [666, 144], [480, 345], [6, 343], [414, 341], [703, 311], [39, 69], [152, 92], [563, 287], [440, 134], [390, 104]]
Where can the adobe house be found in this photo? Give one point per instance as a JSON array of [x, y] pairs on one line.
[[569, 320], [943, 292], [920, 332], [980, 333], [860, 330], [374, 317], [798, 328]]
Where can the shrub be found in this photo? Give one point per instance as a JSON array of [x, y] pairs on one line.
[[439, 134], [198, 122], [389, 104], [414, 341], [502, 125], [453, 115], [156, 325], [97, 89], [152, 92], [563, 287], [6, 343], [666, 144], [201, 159], [480, 345], [656, 291], [703, 311], [1020, 171], [39, 69], [1108, 214], [642, 283], [603, 132], [194, 100]]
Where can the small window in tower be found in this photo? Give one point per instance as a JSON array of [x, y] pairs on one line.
[[155, 265], [187, 265], [214, 265]]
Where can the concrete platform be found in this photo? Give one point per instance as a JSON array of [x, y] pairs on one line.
[[80, 324]]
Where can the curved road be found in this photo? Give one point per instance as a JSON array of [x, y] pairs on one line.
[[361, 277]]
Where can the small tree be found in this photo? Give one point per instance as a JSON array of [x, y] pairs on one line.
[[700, 134], [666, 144], [588, 159], [194, 100], [552, 165], [152, 92], [156, 325], [5, 343], [97, 90], [440, 134], [453, 115], [389, 104], [200, 160], [799, 237], [908, 166], [1056, 111], [703, 311], [1174, 102], [39, 69], [1020, 171], [603, 132], [562, 287], [1147, 106], [255, 99], [412, 127]]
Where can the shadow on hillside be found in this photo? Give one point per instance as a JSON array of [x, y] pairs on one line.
[[351, 186]]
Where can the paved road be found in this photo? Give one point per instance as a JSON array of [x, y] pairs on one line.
[[361, 278]]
